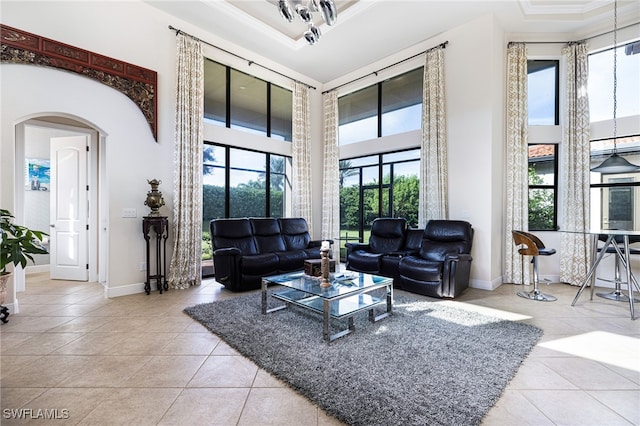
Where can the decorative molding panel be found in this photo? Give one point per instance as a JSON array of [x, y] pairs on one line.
[[137, 83]]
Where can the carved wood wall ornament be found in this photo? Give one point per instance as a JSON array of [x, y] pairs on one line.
[[137, 83]]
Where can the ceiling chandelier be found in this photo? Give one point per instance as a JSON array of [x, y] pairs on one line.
[[326, 7], [615, 163]]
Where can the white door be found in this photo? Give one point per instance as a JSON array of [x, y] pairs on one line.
[[69, 208]]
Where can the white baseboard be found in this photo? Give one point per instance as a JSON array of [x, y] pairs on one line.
[[36, 269], [486, 285], [125, 290]]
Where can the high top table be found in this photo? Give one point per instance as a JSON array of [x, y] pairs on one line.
[[623, 256]]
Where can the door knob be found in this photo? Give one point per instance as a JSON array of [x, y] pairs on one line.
[[52, 225]]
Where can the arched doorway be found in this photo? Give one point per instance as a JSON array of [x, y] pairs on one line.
[[36, 208]]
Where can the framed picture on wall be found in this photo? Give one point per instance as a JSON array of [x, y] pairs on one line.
[[38, 174]]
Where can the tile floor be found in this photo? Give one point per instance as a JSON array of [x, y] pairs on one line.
[[139, 360]]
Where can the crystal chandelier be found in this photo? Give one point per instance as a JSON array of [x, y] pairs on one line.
[[326, 7]]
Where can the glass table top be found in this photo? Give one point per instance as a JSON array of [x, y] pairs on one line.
[[341, 283]]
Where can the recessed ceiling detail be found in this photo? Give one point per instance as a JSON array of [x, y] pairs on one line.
[[368, 31], [263, 16]]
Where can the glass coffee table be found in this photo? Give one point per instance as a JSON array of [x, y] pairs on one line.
[[349, 294]]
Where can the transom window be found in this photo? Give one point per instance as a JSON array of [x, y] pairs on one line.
[[241, 101], [542, 92], [387, 108]]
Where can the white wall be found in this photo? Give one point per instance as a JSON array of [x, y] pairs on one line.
[[137, 33], [127, 31], [474, 89]]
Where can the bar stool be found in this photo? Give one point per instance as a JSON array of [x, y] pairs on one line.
[[534, 247], [617, 293]]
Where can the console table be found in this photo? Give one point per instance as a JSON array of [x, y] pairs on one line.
[[158, 226]]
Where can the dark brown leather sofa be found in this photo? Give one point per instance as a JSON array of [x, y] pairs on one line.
[[435, 261], [247, 249]]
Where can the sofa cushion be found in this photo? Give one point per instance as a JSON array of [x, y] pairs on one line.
[[233, 233], [443, 237], [295, 233], [387, 235], [413, 240], [260, 264], [420, 269], [266, 232], [291, 260], [364, 261]]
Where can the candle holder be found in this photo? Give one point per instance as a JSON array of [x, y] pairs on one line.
[[324, 268]]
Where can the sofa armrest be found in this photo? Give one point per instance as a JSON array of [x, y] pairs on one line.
[[227, 251], [226, 267], [457, 257], [318, 243], [402, 253], [455, 273], [357, 246]]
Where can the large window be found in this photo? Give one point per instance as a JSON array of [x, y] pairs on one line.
[[242, 183], [382, 185], [387, 108], [615, 198], [543, 187], [543, 109], [241, 101]]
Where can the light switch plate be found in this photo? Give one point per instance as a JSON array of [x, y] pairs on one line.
[[129, 212]]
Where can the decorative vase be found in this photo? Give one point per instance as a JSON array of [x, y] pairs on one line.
[[4, 277], [154, 197], [4, 311]]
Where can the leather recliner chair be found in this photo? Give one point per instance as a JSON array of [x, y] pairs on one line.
[[443, 265], [387, 236]]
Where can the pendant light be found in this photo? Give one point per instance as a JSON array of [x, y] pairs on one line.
[[615, 163]]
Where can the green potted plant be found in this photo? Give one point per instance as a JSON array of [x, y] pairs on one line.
[[17, 244]]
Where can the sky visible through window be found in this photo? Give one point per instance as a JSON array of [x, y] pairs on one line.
[[600, 88], [601, 85]]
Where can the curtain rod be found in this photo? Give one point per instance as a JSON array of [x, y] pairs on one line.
[[578, 41], [441, 45], [250, 62]]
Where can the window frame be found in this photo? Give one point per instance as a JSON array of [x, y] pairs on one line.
[[553, 187], [268, 107], [378, 87], [381, 185]]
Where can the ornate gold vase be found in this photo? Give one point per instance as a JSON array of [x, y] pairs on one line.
[[154, 197]]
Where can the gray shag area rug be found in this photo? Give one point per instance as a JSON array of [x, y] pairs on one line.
[[427, 364]]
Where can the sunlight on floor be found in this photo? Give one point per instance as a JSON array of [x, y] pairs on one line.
[[492, 314], [496, 313], [610, 348]]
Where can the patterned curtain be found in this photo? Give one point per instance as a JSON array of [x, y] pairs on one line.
[[331, 179], [517, 161], [185, 269], [575, 253], [433, 203], [301, 176]]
